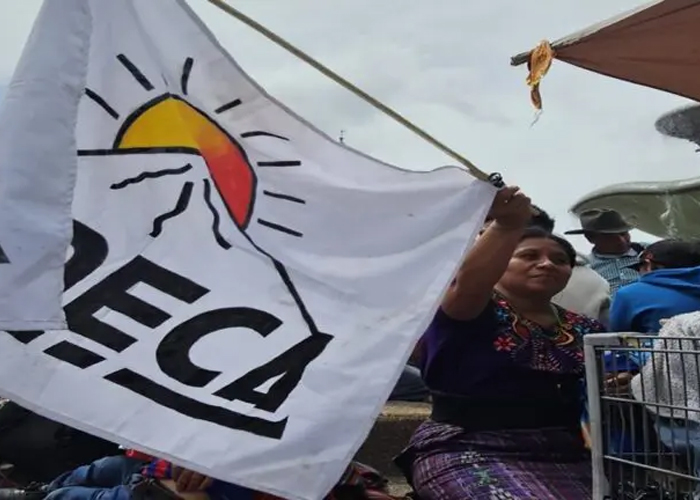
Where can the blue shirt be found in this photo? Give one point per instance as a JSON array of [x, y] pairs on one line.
[[661, 294]]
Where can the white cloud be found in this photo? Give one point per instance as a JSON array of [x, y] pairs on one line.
[[445, 65]]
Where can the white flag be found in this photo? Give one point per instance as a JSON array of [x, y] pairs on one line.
[[241, 291], [38, 164]]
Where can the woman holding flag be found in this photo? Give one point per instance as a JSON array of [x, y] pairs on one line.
[[505, 366]]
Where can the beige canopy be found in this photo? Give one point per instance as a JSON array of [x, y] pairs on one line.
[[657, 45], [663, 209]]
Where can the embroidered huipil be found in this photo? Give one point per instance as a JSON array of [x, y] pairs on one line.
[[500, 357]]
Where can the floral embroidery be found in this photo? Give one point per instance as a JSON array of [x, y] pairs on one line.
[[473, 461], [557, 350], [504, 343], [482, 476]]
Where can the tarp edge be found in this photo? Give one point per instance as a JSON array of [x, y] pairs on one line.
[[577, 36]]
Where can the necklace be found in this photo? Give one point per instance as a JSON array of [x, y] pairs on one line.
[[558, 322], [519, 318], [557, 317], [524, 328], [554, 331]]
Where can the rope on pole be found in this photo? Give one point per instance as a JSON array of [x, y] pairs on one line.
[[473, 169]]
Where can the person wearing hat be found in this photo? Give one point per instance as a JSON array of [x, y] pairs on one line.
[[669, 285], [613, 251]]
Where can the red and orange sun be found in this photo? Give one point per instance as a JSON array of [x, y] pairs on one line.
[[170, 124]]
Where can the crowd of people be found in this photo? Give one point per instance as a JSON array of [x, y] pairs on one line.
[[504, 360], [502, 364]]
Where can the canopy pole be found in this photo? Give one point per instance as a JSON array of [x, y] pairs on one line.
[[473, 169], [520, 59]]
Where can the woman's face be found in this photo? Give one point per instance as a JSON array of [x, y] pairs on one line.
[[539, 266]]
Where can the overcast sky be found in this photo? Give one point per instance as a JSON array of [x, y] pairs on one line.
[[445, 65]]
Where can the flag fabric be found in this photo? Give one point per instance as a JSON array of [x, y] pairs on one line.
[[39, 111], [241, 291]]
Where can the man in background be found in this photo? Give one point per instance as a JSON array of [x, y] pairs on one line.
[[613, 250]]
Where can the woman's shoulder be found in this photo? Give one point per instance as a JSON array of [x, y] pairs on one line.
[[582, 323], [443, 324], [447, 334], [443, 319]]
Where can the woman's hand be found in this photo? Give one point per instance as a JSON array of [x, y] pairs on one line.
[[189, 481], [488, 259], [511, 208]]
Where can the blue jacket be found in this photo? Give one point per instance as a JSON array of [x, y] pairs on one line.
[[657, 295]]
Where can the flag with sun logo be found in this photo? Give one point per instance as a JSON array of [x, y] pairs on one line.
[[190, 269]]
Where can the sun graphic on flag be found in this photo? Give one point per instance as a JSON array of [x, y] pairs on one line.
[[169, 123]]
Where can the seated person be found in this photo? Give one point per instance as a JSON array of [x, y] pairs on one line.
[[137, 476], [109, 478], [410, 386], [669, 285], [672, 379], [39, 449], [505, 367]]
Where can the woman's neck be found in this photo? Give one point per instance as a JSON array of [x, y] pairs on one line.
[[534, 305]]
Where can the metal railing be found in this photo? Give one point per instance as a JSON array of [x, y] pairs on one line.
[[643, 408]]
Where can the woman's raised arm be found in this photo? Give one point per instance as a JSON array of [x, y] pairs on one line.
[[488, 259]]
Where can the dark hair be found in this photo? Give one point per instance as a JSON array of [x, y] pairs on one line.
[[541, 219], [539, 232], [673, 253]]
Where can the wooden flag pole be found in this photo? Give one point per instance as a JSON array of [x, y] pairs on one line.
[[473, 169]]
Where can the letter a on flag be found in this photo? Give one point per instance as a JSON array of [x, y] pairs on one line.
[[194, 271]]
